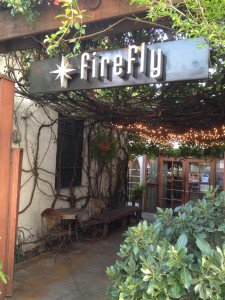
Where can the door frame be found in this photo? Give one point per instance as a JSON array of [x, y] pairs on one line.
[[185, 175], [160, 179]]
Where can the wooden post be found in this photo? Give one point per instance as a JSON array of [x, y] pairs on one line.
[[7, 87], [16, 171]]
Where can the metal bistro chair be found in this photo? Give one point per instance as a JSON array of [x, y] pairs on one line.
[[93, 226], [54, 234]]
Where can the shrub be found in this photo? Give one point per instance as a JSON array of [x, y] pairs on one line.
[[177, 257]]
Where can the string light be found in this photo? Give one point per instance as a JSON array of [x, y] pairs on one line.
[[162, 135]]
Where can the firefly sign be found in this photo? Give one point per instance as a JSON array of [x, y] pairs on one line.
[[135, 65]]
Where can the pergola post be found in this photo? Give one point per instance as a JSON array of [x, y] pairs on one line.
[[7, 87]]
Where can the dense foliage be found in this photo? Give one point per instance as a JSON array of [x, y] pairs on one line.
[[175, 107], [27, 8], [192, 18], [69, 32], [139, 146], [71, 27], [179, 256]]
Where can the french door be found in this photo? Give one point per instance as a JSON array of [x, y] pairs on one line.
[[171, 182], [199, 176], [183, 180]]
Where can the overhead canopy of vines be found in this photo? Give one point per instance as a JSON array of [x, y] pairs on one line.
[[164, 113]]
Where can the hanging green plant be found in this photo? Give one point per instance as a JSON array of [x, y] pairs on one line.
[[104, 148]]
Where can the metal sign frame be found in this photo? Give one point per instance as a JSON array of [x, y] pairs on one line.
[[146, 64]]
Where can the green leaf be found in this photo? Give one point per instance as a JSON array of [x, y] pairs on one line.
[[186, 277], [3, 278], [221, 227], [64, 23], [75, 11], [204, 246], [146, 278], [176, 290], [60, 16], [74, 2], [82, 31], [67, 11], [77, 25], [53, 35], [121, 297], [136, 249], [73, 40], [182, 241]]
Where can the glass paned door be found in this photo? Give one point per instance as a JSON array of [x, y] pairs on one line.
[[183, 180], [172, 185], [133, 179], [151, 185], [199, 179]]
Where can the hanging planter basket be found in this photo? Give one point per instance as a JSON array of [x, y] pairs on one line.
[[104, 148]]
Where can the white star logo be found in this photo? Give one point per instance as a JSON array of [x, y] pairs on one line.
[[63, 72]]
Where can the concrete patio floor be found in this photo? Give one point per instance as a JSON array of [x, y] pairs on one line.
[[77, 274]]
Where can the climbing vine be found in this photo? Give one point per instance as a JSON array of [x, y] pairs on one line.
[[66, 38], [191, 18], [102, 178]]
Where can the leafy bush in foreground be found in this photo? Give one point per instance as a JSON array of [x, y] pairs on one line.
[[176, 257]]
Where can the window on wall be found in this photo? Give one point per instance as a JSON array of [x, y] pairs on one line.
[[69, 153]]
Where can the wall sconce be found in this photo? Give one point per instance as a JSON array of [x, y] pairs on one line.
[[16, 136]]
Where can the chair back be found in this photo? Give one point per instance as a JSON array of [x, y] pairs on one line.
[[97, 207], [50, 218]]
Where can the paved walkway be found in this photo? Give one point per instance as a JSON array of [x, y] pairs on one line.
[[78, 274]]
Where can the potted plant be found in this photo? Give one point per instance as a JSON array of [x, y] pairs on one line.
[[137, 193], [104, 147]]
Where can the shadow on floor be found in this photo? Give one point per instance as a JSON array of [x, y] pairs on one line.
[[78, 274]]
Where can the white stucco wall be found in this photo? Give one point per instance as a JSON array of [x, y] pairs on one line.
[[28, 117]]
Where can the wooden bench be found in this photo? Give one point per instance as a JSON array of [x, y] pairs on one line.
[[122, 214]]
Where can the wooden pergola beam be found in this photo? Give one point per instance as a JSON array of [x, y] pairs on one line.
[[19, 35], [46, 21]]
